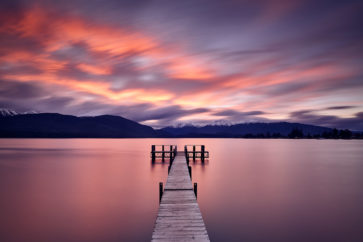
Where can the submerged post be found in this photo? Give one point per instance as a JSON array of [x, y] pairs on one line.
[[196, 189], [161, 190], [162, 153], [171, 153], [190, 171], [202, 153], [153, 153], [193, 152], [186, 154]]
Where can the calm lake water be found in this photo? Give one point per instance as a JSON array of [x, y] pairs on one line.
[[249, 190]]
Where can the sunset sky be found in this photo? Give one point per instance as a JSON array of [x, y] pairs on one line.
[[180, 62]]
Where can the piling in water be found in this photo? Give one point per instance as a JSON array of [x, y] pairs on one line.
[[161, 190], [193, 152], [202, 153], [163, 153], [153, 153], [195, 189]]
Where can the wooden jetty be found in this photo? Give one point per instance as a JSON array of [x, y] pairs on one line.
[[179, 217]]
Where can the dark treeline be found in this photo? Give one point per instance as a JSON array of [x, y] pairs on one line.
[[297, 133]]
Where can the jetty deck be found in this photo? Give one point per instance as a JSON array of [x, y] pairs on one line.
[[179, 217]]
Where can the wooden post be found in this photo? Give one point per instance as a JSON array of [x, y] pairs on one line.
[[161, 190], [202, 154], [195, 189], [171, 153], [153, 153], [186, 154], [169, 168], [190, 171], [162, 153], [193, 152]]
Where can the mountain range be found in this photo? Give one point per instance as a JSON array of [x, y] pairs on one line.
[[278, 129], [54, 125]]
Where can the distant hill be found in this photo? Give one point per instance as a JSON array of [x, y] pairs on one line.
[[55, 125], [279, 129]]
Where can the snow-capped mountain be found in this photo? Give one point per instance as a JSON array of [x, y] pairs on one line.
[[5, 112], [202, 124], [30, 112]]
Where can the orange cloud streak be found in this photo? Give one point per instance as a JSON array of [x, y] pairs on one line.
[[96, 70], [57, 32]]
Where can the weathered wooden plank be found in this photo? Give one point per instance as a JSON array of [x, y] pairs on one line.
[[179, 217], [181, 234], [180, 238]]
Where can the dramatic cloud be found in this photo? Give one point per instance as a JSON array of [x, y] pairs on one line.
[[309, 117], [172, 62], [340, 107]]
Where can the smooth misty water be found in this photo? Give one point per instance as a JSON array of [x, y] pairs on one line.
[[249, 190]]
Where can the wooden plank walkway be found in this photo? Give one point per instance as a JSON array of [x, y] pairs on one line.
[[179, 217]]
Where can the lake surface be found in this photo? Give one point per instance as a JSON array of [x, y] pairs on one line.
[[249, 190]]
